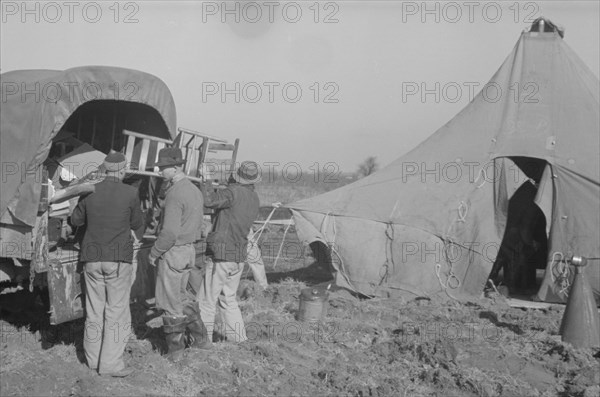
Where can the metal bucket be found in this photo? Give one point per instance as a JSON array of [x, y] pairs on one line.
[[313, 305]]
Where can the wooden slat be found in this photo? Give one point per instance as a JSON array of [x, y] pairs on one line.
[[234, 155], [129, 150], [140, 172], [221, 146], [197, 155], [188, 156], [144, 154], [153, 155], [218, 161], [177, 142], [159, 146], [197, 165], [212, 138], [191, 143], [203, 150], [144, 136]]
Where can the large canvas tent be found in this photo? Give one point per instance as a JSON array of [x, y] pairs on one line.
[[431, 222], [38, 104]]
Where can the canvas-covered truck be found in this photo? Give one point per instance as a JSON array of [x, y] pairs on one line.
[[56, 128]]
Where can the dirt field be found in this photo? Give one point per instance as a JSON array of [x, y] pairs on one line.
[[377, 347]]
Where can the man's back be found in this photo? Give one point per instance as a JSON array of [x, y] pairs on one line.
[[110, 213], [182, 215], [237, 208], [242, 213]]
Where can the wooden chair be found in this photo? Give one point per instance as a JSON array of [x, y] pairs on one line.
[[141, 151], [196, 147]]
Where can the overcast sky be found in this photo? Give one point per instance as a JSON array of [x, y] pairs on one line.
[[337, 70]]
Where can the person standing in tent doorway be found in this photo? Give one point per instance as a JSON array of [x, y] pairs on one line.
[[521, 241], [111, 212], [237, 208], [174, 255]]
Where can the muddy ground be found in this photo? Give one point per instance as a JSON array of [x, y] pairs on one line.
[[364, 347]]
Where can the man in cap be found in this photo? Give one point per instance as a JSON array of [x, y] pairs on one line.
[[237, 209], [110, 213], [174, 255]]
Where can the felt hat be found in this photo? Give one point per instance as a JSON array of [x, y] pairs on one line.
[[170, 156], [248, 173]]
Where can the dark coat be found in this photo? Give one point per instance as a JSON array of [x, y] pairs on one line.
[[110, 213], [237, 208]]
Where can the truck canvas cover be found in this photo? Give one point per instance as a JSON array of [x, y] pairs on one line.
[[36, 104]]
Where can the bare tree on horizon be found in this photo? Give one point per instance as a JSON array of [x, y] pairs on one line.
[[368, 167]]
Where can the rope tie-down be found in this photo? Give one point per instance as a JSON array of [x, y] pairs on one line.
[[389, 255], [560, 272], [452, 282]]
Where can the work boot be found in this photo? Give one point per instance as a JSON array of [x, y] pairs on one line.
[[174, 329], [197, 331]]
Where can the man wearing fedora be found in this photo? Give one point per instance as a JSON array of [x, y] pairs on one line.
[[237, 208], [110, 213], [174, 255]]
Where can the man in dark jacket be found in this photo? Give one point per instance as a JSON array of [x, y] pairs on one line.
[[111, 212], [237, 208], [174, 251]]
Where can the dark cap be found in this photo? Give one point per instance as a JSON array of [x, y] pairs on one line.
[[115, 161]]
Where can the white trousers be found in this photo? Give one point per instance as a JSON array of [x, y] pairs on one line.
[[255, 262], [108, 319], [220, 285]]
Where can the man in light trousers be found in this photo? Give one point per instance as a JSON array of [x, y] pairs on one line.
[[237, 208], [174, 255], [111, 212]]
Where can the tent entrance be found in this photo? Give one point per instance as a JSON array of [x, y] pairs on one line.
[[524, 247]]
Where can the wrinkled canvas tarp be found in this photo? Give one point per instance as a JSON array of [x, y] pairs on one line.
[[432, 221], [37, 103]]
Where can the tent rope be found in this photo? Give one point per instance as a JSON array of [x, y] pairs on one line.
[[563, 272], [452, 280], [389, 233], [281, 246], [463, 211], [481, 172]]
